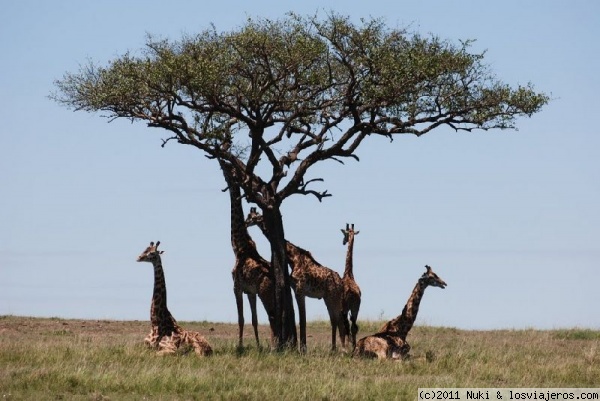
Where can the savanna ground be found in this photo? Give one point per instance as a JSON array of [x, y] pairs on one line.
[[57, 359]]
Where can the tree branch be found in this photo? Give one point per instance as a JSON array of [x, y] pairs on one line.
[[304, 191]]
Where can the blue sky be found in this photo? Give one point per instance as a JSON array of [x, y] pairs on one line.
[[509, 219]]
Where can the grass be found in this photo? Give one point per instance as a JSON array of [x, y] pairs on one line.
[[56, 359]]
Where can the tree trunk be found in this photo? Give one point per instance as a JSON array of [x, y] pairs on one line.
[[285, 325]]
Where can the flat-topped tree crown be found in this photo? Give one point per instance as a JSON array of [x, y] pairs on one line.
[[289, 83]]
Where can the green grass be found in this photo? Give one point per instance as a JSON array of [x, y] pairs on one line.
[[59, 359], [577, 334]]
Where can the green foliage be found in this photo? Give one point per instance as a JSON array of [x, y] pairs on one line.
[[304, 74], [306, 89]]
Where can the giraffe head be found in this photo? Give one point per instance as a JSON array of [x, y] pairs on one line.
[[349, 231], [254, 218], [151, 253], [432, 279]]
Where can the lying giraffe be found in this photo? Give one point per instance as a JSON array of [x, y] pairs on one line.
[[390, 341], [251, 273], [311, 279], [166, 335], [351, 301]]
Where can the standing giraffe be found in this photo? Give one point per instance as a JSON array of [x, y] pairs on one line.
[[351, 302], [390, 340], [311, 279], [250, 272], [166, 335]]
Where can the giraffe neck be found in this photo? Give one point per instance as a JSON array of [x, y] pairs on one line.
[[241, 241], [293, 256], [160, 316], [299, 258], [349, 262], [403, 323]]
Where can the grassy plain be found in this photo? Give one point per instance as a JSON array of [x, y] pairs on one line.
[[57, 359]]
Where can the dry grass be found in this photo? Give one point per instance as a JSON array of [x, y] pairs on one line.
[[106, 360]]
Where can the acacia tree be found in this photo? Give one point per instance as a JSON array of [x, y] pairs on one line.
[[274, 97]]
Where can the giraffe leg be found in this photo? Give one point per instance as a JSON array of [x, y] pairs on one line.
[[151, 339], [272, 324], [353, 330], [353, 317], [252, 300], [267, 300], [240, 311], [168, 345], [344, 327], [302, 318], [376, 346], [338, 321], [346, 330], [335, 323], [199, 344]]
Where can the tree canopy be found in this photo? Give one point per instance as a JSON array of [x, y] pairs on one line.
[[305, 89]]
